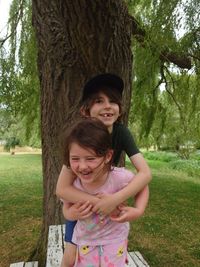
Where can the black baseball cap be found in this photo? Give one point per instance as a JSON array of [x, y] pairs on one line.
[[107, 79]]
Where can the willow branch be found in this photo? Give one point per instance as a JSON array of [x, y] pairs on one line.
[[163, 78], [181, 60], [18, 15]]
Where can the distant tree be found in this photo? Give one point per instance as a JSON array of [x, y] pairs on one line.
[[11, 143], [177, 118], [19, 82], [182, 100]]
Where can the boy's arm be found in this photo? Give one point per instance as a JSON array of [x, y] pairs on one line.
[[132, 213], [141, 199], [141, 179], [66, 191], [143, 176]]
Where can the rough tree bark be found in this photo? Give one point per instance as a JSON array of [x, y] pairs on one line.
[[76, 40]]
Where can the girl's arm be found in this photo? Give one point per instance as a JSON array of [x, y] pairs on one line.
[[143, 176], [66, 191]]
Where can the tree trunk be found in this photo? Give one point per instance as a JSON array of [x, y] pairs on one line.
[[76, 40]]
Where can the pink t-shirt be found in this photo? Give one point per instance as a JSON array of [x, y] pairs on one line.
[[92, 231]]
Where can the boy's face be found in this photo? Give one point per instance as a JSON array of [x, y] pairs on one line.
[[105, 110]]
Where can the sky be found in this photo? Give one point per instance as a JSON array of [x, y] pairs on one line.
[[4, 12]]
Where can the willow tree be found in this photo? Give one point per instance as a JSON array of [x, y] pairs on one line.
[[76, 40]]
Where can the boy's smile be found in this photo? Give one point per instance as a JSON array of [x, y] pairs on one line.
[[105, 110]]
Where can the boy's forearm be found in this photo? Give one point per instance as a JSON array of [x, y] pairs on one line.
[[132, 213], [65, 211], [141, 199], [74, 195], [65, 179], [132, 189], [66, 191]]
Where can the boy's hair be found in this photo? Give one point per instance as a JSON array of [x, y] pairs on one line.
[[89, 133], [104, 79], [111, 93]]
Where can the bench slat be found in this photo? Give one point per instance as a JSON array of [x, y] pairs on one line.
[[55, 246], [17, 264], [31, 264], [138, 259], [130, 263], [25, 264]]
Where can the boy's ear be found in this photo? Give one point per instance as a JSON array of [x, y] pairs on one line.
[[84, 112]]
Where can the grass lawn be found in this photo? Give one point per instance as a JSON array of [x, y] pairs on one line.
[[20, 206], [169, 233], [167, 236]]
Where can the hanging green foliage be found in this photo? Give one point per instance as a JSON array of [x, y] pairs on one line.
[[166, 56], [20, 84], [167, 27]]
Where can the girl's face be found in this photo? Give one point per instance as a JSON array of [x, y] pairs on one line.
[[105, 110], [90, 169]]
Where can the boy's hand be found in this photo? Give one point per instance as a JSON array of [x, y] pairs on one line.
[[105, 205], [126, 214], [78, 211]]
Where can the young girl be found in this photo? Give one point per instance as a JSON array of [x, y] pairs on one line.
[[101, 240], [102, 97]]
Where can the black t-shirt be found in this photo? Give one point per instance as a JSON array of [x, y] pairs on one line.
[[122, 140]]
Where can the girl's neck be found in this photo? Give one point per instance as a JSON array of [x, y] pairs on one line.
[[96, 184]]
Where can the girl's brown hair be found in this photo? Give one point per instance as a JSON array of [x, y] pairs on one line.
[[111, 93], [89, 133]]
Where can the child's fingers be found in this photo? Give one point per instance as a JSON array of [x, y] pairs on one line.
[[122, 207], [86, 215], [122, 216], [95, 209], [87, 212], [82, 205], [120, 219], [85, 208], [98, 209], [78, 204]]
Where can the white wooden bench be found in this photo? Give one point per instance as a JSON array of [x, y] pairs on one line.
[[25, 264], [56, 246]]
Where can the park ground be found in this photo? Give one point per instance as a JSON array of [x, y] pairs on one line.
[[167, 235]]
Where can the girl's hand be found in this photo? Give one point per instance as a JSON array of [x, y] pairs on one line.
[[78, 211], [105, 205], [126, 214]]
